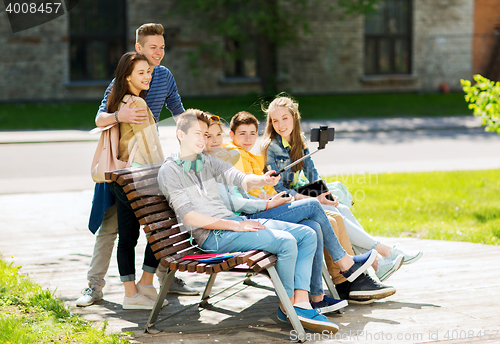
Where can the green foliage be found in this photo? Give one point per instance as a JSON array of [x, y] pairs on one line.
[[459, 205], [484, 99], [357, 7], [29, 314]]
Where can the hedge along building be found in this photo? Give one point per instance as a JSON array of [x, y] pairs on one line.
[[408, 45]]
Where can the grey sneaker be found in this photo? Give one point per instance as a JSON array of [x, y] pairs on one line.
[[138, 302], [149, 292], [388, 266], [90, 295], [180, 287], [409, 256]]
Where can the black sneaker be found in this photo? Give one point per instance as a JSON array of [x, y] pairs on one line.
[[343, 289], [366, 288]]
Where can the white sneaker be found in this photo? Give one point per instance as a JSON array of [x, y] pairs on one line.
[[388, 266], [138, 302], [90, 295], [149, 292], [409, 256]]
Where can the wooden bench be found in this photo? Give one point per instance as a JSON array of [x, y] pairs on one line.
[[170, 242]]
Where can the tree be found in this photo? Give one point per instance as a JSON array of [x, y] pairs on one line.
[[484, 99], [271, 24]]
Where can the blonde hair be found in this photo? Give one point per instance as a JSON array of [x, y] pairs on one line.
[[145, 30], [297, 142]]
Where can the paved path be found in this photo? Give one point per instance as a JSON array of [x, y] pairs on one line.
[[452, 290], [361, 146]]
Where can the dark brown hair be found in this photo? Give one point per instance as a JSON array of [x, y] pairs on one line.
[[241, 118], [120, 85]]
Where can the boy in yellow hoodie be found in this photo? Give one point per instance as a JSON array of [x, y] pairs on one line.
[[243, 133]]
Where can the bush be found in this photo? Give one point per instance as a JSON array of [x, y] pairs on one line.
[[484, 99]]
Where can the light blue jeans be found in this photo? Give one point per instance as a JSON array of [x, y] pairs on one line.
[[361, 241], [310, 213], [293, 244]]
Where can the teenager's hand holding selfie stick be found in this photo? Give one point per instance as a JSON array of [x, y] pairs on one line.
[[323, 135]]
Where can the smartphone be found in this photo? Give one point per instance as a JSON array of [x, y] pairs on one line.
[[322, 134]]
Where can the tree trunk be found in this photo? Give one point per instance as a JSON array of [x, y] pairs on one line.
[[267, 66], [267, 56]]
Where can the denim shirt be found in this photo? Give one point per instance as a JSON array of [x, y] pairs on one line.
[[278, 157]]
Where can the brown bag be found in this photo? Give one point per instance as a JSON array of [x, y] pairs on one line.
[[106, 154]]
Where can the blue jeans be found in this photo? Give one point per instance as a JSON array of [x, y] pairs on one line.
[[309, 212], [361, 241], [293, 244]]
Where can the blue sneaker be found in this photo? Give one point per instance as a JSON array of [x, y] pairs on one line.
[[361, 263], [329, 304], [314, 321], [281, 316]]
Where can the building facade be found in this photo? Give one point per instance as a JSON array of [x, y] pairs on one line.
[[407, 45]]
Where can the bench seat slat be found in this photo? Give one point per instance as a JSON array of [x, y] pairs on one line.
[[140, 184], [148, 192], [145, 202], [172, 240], [165, 215], [151, 210], [256, 257], [162, 225], [172, 249], [265, 263]]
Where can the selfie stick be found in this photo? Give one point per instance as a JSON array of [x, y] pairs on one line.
[[323, 140]]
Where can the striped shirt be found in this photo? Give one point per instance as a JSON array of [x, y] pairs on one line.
[[162, 90]]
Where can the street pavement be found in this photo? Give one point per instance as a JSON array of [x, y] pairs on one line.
[[45, 197], [47, 161]]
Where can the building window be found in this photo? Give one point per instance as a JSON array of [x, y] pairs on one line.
[[240, 59], [388, 33], [97, 31]]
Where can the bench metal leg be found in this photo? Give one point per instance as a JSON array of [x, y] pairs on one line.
[[208, 289], [165, 286], [285, 301], [329, 282]]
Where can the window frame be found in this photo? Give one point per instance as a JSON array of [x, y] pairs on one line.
[[84, 40], [391, 38]]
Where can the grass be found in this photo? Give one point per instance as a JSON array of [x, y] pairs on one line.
[[29, 314], [33, 116], [457, 206]]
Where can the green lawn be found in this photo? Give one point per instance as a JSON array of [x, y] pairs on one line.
[[81, 115], [29, 314], [459, 205]]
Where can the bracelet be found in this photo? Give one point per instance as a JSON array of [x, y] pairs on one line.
[[116, 117], [267, 205]]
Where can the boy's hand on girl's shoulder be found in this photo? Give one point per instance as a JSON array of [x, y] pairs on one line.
[[133, 115], [270, 180], [248, 226]]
